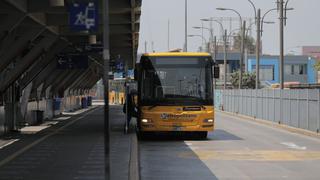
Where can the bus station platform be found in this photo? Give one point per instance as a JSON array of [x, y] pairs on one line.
[[68, 147]]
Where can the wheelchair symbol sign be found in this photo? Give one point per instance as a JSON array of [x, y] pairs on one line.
[[84, 16]]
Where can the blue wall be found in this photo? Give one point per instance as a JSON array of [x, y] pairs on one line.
[[311, 71], [274, 62]]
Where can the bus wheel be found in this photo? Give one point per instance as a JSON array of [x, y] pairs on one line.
[[202, 135]]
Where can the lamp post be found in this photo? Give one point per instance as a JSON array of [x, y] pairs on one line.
[[233, 10], [242, 49], [254, 9], [282, 8], [186, 26], [225, 59], [210, 31], [216, 21], [243, 29], [224, 37], [203, 39], [258, 19]]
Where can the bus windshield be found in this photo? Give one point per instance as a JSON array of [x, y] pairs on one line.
[[176, 81]]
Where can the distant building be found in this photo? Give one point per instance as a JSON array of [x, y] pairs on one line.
[[296, 69], [313, 51]]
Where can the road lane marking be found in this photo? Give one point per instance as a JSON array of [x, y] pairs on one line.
[[26, 148], [251, 155], [294, 146], [9, 143]]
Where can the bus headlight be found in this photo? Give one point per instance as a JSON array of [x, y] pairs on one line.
[[146, 121], [208, 121]]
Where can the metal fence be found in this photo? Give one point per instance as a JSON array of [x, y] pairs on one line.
[[296, 108]]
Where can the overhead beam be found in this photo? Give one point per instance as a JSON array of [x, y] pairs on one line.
[[27, 60], [40, 66], [16, 47]]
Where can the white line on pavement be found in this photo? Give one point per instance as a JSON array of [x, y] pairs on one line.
[[293, 146], [21, 151], [9, 143]]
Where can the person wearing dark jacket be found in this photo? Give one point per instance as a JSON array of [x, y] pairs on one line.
[[131, 107]]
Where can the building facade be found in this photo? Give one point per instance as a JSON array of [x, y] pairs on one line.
[[298, 69]]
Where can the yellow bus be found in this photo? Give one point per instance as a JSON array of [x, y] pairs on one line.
[[175, 93]]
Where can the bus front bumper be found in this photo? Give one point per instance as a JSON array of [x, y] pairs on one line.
[[179, 128]]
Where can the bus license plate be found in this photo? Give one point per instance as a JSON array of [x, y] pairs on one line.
[[177, 128]]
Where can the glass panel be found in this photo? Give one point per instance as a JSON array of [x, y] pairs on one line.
[[177, 79], [288, 69]]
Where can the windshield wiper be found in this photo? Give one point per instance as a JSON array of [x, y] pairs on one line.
[[153, 106], [201, 105]]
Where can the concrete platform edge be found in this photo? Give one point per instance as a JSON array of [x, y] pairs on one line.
[[134, 170]]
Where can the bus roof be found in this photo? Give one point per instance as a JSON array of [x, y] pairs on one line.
[[177, 54]]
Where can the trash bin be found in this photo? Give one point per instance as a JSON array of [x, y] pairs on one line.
[[84, 103], [56, 104], [89, 101], [37, 117]]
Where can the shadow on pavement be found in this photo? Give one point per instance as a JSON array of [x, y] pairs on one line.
[[171, 160], [222, 135]]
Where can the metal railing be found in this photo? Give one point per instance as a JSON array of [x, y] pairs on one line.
[[296, 108]]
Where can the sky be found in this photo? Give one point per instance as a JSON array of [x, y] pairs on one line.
[[302, 27]]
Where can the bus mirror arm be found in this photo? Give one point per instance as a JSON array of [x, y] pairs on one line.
[[216, 71]]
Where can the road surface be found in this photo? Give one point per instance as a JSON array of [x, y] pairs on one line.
[[237, 149]]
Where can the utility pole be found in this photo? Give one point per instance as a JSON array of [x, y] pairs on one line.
[[186, 26], [243, 37], [225, 59], [215, 58], [258, 49], [281, 11], [211, 36], [145, 46], [202, 34], [106, 60], [152, 46], [169, 35]]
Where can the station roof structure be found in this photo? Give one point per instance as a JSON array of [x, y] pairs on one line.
[[33, 34]]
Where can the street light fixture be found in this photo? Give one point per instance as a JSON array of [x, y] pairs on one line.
[[233, 10], [194, 35], [224, 38], [210, 30], [242, 28], [216, 21], [262, 21], [255, 10]]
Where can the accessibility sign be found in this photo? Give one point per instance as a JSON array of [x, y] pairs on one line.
[[83, 16]]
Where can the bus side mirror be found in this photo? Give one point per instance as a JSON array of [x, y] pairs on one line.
[[216, 71]]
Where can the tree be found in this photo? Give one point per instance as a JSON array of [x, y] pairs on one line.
[[249, 43], [248, 80], [317, 66]]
